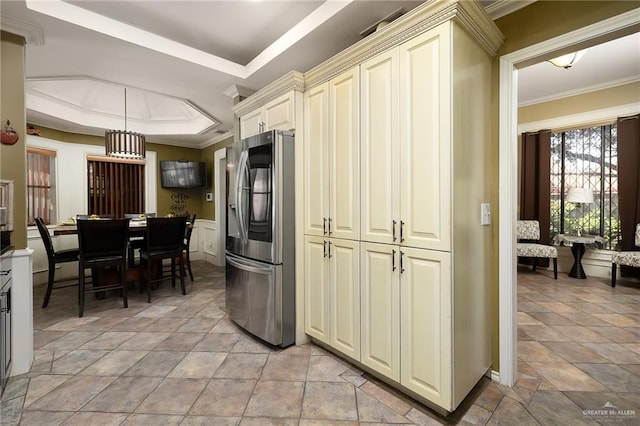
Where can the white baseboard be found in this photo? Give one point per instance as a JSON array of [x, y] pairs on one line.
[[495, 376]]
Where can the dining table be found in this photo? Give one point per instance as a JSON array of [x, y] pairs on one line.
[[137, 229]]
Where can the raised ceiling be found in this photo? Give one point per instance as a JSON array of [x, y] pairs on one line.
[[168, 52]]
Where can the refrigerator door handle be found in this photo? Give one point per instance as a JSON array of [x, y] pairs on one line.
[[246, 266], [242, 166]]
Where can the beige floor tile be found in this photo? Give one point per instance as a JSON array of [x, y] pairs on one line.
[[197, 325], [536, 351], [166, 324], [152, 420], [71, 340], [524, 318], [510, 412], [156, 311], [217, 342], [325, 368], [267, 421], [490, 397], [580, 334], [241, 366], [172, 396], [210, 420], [123, 395], [249, 345], [282, 366], [72, 394], [42, 385], [224, 398], [114, 363], [276, 399], [198, 365], [555, 408], [156, 364], [551, 318], [616, 378], [45, 418], [618, 320], [370, 410], [180, 342], [102, 419], [329, 401], [72, 324], [143, 341], [541, 333], [566, 377], [225, 326], [616, 334], [614, 352], [133, 324], [390, 399], [476, 415], [108, 340], [76, 361], [574, 352]]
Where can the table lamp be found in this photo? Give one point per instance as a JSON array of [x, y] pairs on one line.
[[579, 196]]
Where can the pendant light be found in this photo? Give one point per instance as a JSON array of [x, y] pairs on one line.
[[122, 143], [568, 60]]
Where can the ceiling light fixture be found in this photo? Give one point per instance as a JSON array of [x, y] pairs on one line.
[[124, 144], [568, 60]]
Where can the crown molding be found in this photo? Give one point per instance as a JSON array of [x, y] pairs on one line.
[[32, 34], [234, 91], [501, 8], [469, 15], [215, 139], [293, 80]]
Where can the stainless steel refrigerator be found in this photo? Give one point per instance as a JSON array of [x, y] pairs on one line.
[[260, 252]]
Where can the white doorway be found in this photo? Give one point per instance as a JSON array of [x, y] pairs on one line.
[[600, 32], [220, 172]]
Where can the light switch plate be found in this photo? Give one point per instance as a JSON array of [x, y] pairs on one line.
[[209, 196], [485, 214]]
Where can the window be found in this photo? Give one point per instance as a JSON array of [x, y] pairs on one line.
[[586, 158], [115, 186], [41, 185]]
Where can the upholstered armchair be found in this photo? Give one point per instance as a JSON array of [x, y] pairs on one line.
[[528, 235], [625, 258]]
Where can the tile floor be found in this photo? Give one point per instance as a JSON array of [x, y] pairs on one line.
[[180, 361]]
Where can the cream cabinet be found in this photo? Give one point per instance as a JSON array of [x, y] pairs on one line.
[[332, 294], [405, 151], [277, 114], [424, 170], [332, 158], [406, 305]]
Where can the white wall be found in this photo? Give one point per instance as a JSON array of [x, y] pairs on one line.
[[72, 198]]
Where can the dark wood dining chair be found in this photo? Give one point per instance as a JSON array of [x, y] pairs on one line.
[[136, 242], [94, 216], [164, 240], [102, 244], [54, 257], [187, 241]]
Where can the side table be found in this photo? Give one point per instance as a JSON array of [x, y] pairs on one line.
[[577, 249]]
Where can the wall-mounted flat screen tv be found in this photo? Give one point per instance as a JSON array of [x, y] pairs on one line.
[[183, 174]]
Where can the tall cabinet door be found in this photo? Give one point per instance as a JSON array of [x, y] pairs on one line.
[[344, 154], [380, 199], [344, 289], [425, 306], [316, 292], [425, 165], [380, 306], [316, 160]]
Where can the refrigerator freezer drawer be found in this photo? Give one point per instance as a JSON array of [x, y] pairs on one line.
[[254, 299]]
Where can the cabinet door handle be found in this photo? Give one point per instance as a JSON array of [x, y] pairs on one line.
[[7, 272], [324, 226], [394, 230], [324, 249], [393, 260], [401, 266], [329, 249], [329, 227], [401, 225]]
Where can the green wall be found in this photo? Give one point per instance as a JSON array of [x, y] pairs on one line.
[[209, 207], [195, 203], [533, 24], [13, 158]]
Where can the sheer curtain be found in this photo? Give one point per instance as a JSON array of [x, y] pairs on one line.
[[535, 183], [629, 183]]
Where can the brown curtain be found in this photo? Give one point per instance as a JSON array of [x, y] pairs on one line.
[[535, 190], [629, 183]]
